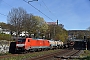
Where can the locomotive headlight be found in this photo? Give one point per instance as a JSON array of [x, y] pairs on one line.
[[20, 45]]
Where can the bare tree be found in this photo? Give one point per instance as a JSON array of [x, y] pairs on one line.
[[22, 21], [15, 18]]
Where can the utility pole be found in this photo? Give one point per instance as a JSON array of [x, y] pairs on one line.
[[55, 28], [57, 22]]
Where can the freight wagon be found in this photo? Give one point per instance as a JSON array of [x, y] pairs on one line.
[[55, 44]]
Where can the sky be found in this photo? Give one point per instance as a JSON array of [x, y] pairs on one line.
[[73, 14]]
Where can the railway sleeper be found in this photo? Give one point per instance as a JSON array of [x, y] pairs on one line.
[[70, 57]]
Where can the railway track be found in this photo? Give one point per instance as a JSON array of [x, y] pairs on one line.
[[74, 54], [60, 54], [27, 54], [53, 56], [64, 54]]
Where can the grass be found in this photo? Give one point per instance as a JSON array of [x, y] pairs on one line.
[[87, 54], [5, 37], [29, 55], [36, 54]]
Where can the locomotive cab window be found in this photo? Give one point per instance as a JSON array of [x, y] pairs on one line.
[[21, 40], [48, 41], [28, 40]]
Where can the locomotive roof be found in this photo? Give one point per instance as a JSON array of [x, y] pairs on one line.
[[32, 38]]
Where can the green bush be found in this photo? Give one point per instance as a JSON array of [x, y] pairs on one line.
[[5, 37], [88, 58]]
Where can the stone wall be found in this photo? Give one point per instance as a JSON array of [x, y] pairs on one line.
[[4, 46]]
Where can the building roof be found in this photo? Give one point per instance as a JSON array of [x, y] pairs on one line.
[[52, 23]]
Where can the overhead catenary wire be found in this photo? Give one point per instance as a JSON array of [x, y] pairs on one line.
[[29, 4], [3, 14], [8, 5], [49, 10], [38, 10], [46, 7]]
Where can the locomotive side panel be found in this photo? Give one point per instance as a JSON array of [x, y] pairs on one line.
[[36, 44], [46, 44], [30, 44]]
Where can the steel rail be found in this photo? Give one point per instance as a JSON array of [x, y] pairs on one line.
[[45, 57]]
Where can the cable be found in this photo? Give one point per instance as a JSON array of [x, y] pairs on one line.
[[7, 3], [32, 0], [38, 10], [49, 9], [32, 6], [3, 14]]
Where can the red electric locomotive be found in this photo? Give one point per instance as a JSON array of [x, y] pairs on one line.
[[30, 44]]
